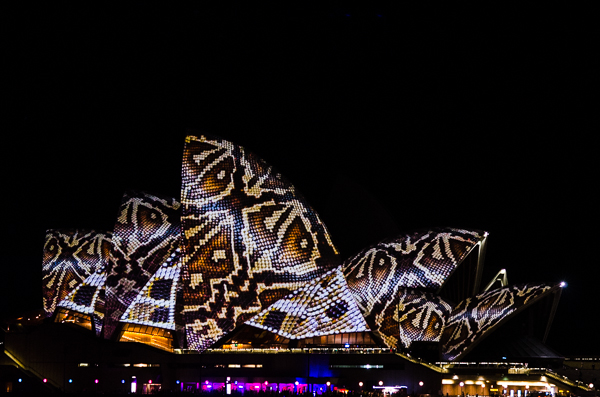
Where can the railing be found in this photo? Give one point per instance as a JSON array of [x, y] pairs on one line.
[[311, 350], [561, 378], [29, 369]]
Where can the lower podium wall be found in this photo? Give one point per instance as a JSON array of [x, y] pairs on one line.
[[74, 360]]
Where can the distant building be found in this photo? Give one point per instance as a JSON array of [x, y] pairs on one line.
[[238, 285]]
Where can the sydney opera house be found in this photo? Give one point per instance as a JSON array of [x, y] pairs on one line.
[[237, 286]]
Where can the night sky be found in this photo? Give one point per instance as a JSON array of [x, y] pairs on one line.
[[386, 120]]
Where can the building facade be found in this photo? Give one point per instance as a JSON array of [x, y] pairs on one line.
[[237, 285]]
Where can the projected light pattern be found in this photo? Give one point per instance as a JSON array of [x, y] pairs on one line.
[[88, 298], [70, 256], [474, 317], [155, 304], [146, 233], [418, 260], [244, 247], [322, 307], [422, 316], [249, 238]]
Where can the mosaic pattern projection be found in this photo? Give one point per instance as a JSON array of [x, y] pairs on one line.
[[324, 306], [422, 316], [249, 239], [88, 298], [70, 256], [146, 233], [474, 317], [155, 304], [418, 260], [244, 247]]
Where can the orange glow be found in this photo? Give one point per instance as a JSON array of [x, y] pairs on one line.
[[155, 337]]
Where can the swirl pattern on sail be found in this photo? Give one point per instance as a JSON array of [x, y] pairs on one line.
[[70, 256], [155, 304], [422, 316], [324, 306], [419, 260], [88, 298], [249, 238], [146, 233], [474, 317]]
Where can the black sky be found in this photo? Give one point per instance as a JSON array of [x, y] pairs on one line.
[[385, 119]]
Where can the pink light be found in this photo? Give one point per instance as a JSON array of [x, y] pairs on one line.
[[45, 380], [96, 381], [256, 387], [150, 381]]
